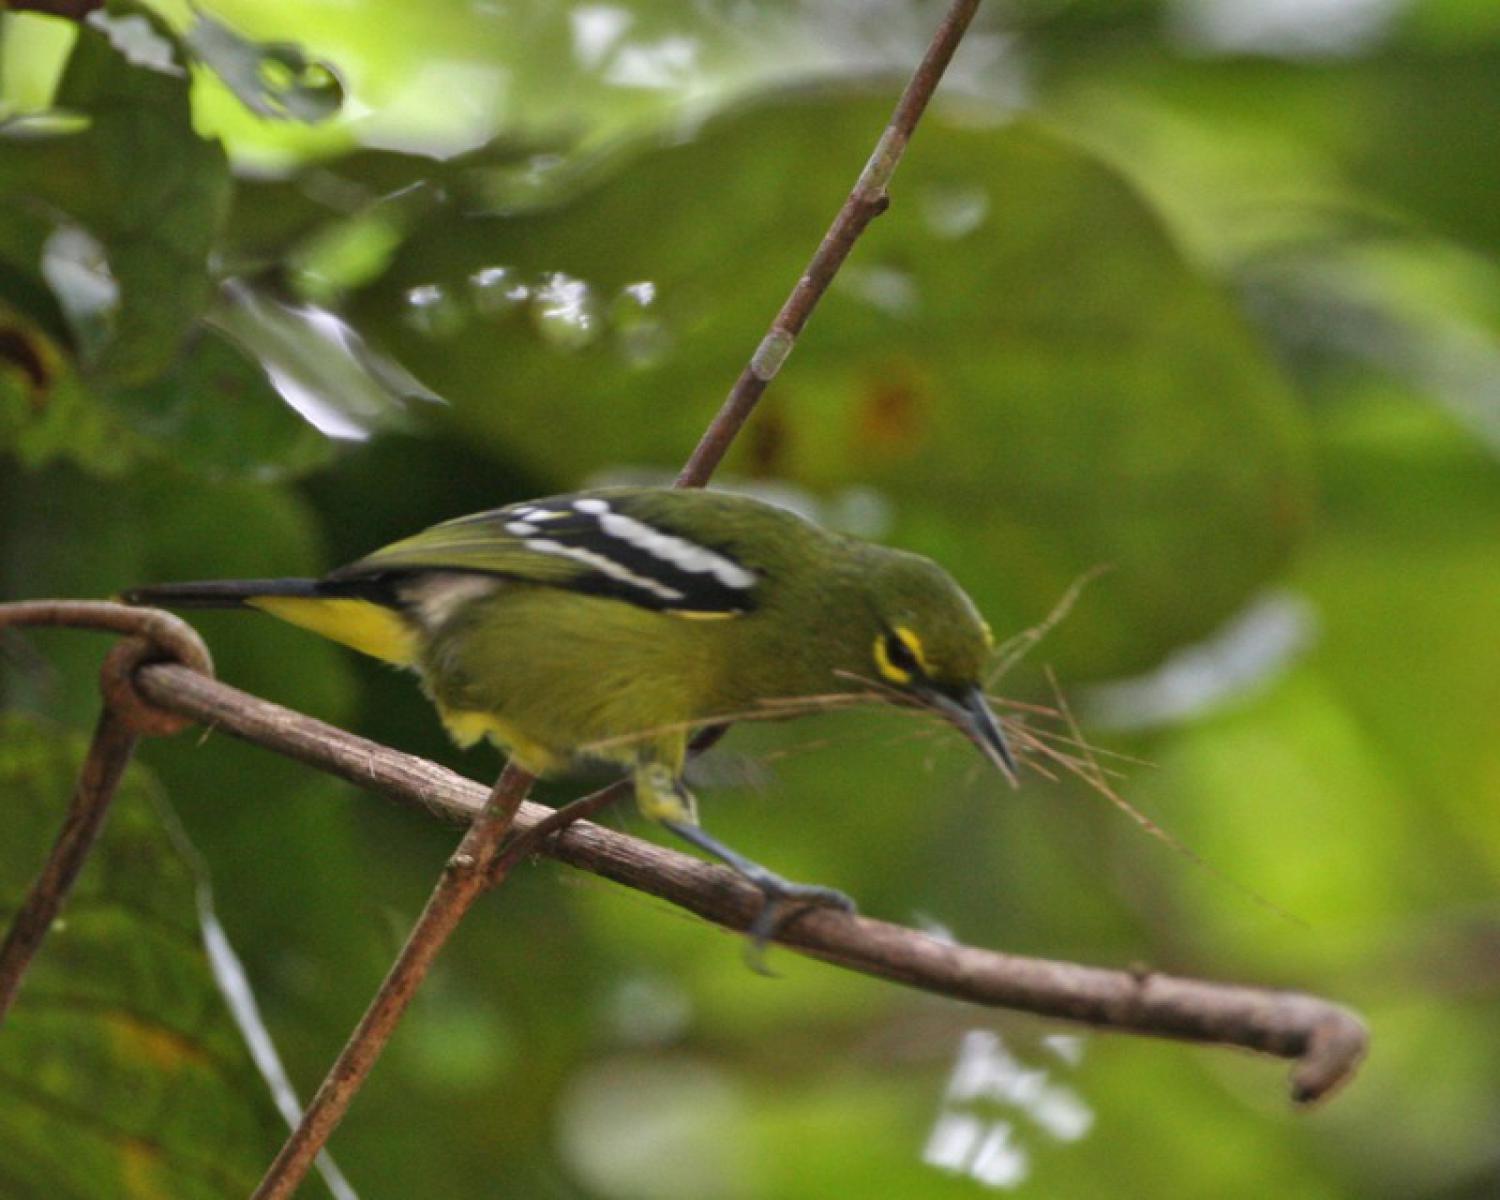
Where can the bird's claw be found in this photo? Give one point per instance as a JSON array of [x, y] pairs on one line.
[[781, 895]]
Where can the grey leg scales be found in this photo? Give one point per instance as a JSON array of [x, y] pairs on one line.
[[778, 891]]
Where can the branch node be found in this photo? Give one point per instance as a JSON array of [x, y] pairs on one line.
[[770, 354], [158, 641], [882, 162]]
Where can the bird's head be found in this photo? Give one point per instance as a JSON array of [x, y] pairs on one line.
[[931, 645]]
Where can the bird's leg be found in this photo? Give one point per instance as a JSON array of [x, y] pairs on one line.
[[773, 885], [664, 798]]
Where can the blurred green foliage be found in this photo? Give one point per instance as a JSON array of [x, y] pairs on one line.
[[123, 1074], [1205, 292]]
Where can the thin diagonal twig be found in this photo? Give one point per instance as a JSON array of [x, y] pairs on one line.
[[463, 880], [109, 754], [153, 636], [866, 201], [529, 841]]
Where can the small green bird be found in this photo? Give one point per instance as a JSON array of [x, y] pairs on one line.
[[614, 624]]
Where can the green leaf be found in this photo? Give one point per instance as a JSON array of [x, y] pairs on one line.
[[319, 363], [217, 413], [273, 79], [46, 412], [214, 412], [141, 182], [121, 1070]]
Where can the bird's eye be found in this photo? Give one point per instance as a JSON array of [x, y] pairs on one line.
[[900, 655]]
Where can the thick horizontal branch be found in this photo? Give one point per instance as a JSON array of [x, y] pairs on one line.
[[1327, 1040]]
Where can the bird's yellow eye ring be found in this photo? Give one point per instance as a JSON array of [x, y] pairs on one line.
[[898, 654]]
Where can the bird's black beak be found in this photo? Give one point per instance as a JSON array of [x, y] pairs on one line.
[[970, 711]]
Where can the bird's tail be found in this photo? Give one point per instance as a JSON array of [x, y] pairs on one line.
[[221, 593], [359, 613]]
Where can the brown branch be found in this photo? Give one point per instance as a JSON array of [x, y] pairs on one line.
[[169, 637], [1327, 1040], [866, 202], [463, 880], [528, 839], [155, 637], [109, 754]]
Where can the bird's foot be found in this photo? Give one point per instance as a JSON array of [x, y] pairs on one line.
[[780, 894], [783, 901]]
